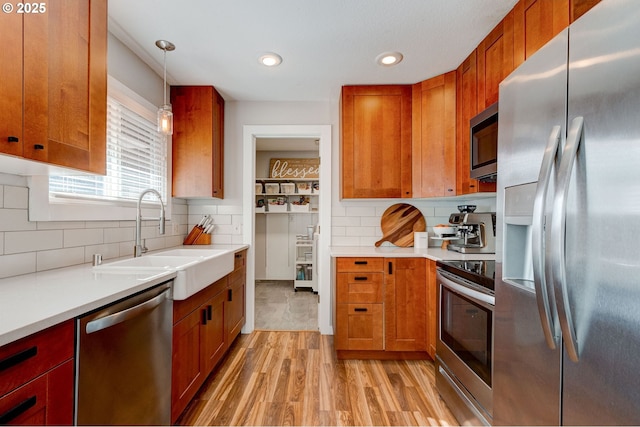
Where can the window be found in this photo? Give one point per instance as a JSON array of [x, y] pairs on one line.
[[136, 159]]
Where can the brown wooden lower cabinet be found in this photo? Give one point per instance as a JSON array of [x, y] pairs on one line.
[[382, 308], [37, 376], [204, 326]]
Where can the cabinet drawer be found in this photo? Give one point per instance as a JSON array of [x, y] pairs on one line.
[[30, 357], [359, 327], [360, 287], [359, 264], [239, 259]]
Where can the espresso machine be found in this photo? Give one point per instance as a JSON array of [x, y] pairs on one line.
[[476, 231]]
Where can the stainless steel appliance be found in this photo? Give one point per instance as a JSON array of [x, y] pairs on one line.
[[484, 144], [464, 345], [476, 232], [123, 361], [567, 322]]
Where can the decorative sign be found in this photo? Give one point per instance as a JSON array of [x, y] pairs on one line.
[[294, 168]]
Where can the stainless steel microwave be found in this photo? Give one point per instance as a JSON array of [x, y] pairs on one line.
[[484, 144]]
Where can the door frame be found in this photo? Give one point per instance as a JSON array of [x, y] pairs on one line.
[[323, 134]]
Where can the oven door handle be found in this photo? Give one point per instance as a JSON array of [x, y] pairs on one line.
[[448, 281], [538, 237]]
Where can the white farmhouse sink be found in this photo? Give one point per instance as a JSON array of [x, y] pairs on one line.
[[195, 268]]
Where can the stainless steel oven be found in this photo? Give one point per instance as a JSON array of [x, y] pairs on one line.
[[464, 349]]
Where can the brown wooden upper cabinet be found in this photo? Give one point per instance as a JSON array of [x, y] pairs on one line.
[[466, 108], [538, 21], [198, 142], [495, 61], [434, 136], [53, 100], [376, 141]]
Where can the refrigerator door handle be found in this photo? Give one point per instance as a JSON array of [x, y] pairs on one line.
[[558, 229], [539, 236]]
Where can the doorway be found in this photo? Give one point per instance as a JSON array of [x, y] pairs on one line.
[[252, 136], [286, 171]]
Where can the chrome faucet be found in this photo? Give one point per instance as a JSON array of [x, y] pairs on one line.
[[139, 249]]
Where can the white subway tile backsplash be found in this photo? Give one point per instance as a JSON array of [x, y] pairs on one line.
[[362, 231], [28, 241], [108, 251], [1, 196], [83, 237], [370, 221], [112, 235], [16, 197], [46, 260], [62, 225], [1, 243], [361, 211], [14, 265], [346, 221], [222, 219], [229, 210], [338, 231], [338, 210], [15, 220]]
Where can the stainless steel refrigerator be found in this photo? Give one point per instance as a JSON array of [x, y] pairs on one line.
[[567, 313]]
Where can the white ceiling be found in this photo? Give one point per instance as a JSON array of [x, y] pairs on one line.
[[324, 43]]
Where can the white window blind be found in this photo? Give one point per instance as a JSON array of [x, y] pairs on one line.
[[136, 159]]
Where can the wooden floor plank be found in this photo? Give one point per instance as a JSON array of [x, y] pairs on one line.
[[293, 378]]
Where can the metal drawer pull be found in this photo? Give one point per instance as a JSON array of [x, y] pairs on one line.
[[360, 262], [203, 321], [13, 139], [124, 315], [230, 295], [360, 278], [209, 312], [38, 147], [359, 309], [18, 358], [17, 410]]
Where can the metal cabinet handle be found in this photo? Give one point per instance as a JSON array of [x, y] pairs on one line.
[[13, 139], [17, 410], [230, 295], [360, 309], [203, 313], [538, 238], [360, 262], [558, 229], [360, 278], [209, 312], [38, 147], [18, 358], [121, 316]]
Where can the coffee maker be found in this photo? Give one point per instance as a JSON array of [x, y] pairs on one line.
[[476, 231]]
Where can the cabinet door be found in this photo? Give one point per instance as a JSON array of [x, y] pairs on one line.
[[188, 371], [466, 108], [197, 141], [434, 136], [376, 141], [495, 61], [538, 21], [65, 88], [213, 331], [405, 304], [11, 87], [234, 309]]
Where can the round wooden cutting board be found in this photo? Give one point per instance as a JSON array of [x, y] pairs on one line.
[[398, 224]]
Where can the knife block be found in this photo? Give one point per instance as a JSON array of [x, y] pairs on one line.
[[203, 239]]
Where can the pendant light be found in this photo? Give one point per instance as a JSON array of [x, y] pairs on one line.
[[165, 115]]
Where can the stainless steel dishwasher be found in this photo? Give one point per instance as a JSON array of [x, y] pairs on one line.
[[123, 361]]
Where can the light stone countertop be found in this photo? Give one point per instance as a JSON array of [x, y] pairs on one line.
[[433, 253], [32, 302]]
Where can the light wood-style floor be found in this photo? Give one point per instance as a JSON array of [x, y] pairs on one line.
[[292, 378]]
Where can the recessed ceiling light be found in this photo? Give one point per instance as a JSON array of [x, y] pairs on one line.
[[270, 59], [388, 59]]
